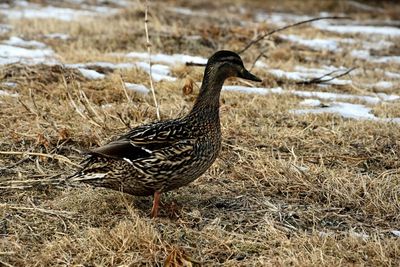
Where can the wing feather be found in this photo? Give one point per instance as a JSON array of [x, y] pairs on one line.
[[144, 141]]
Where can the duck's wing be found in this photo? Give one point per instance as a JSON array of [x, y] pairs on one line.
[[145, 141]]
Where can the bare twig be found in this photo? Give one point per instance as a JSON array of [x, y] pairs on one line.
[[77, 109], [52, 156], [251, 43], [322, 80], [148, 44], [262, 54]]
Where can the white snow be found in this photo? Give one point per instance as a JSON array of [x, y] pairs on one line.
[[343, 29], [318, 44], [158, 72], [279, 19], [365, 54], [310, 102], [312, 94], [383, 85], [303, 76], [16, 41], [377, 45], [387, 59], [61, 36], [261, 64], [188, 12], [346, 110], [12, 54], [102, 64], [336, 96], [9, 84], [140, 88], [252, 90], [91, 74], [5, 93], [396, 233], [4, 28], [30, 11], [168, 59], [392, 75]]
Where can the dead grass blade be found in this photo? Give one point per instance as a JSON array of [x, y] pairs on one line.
[[52, 156], [66, 214], [148, 45]]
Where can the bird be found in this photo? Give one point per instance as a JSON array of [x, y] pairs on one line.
[[162, 156]]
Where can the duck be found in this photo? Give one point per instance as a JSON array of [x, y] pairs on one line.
[[162, 156]]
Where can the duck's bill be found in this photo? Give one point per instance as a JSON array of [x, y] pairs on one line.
[[249, 76]]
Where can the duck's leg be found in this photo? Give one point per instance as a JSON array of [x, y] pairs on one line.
[[156, 201]]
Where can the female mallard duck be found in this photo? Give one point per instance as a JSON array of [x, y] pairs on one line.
[[163, 156]]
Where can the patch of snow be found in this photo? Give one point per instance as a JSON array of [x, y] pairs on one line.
[[383, 85], [363, 236], [188, 12], [9, 84], [169, 59], [312, 94], [278, 18], [393, 75], [140, 88], [261, 64], [336, 96], [91, 74], [158, 72], [318, 44], [31, 11], [16, 41], [365, 54], [396, 233], [346, 110], [102, 64], [354, 29], [387, 59], [107, 106], [310, 102], [386, 97], [12, 54], [61, 36], [381, 44], [252, 90], [5, 93], [5, 28], [303, 76]]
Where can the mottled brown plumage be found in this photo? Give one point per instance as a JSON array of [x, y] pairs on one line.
[[163, 156]]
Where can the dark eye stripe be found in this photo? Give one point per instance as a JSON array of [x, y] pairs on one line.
[[230, 59]]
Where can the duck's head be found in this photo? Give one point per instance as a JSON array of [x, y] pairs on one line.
[[224, 64]]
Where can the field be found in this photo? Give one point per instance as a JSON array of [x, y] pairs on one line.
[[309, 172]]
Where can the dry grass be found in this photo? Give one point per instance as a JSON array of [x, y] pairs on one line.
[[313, 190]]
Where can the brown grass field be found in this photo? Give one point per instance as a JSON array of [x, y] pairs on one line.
[[286, 190]]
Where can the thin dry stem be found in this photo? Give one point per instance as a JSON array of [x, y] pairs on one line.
[[148, 44], [52, 156], [253, 42]]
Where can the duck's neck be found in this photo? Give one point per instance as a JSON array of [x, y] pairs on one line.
[[208, 99]]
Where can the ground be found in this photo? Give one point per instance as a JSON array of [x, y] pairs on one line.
[[308, 175]]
